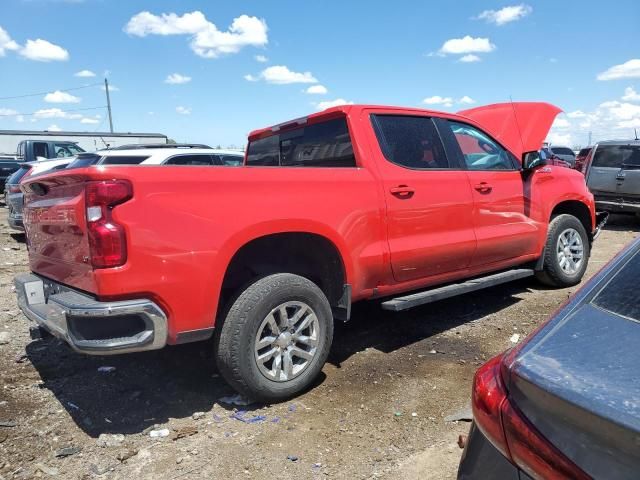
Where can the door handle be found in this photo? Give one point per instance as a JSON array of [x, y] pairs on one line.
[[483, 187], [402, 191]]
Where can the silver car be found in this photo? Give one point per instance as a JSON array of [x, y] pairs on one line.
[[612, 171]]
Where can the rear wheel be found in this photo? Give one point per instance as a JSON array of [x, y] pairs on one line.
[[566, 253], [275, 338]]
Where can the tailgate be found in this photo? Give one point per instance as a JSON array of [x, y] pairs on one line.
[[56, 228]]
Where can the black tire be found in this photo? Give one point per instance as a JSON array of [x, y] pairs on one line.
[[552, 273], [235, 345]]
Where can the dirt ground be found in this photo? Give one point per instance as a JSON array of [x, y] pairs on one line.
[[376, 412]]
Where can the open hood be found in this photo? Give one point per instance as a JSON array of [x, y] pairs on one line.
[[520, 126]]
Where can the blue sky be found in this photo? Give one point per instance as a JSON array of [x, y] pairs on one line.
[[579, 55]]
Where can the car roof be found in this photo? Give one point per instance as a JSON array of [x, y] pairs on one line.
[[619, 142], [169, 152]]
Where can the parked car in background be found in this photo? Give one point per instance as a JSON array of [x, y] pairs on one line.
[[352, 203], [14, 197], [553, 159], [581, 157], [8, 165], [564, 153], [170, 154], [612, 172], [34, 150], [565, 403]]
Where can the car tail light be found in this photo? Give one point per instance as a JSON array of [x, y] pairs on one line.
[[14, 189], [510, 431], [107, 239]]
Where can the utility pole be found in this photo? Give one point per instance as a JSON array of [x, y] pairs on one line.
[[106, 89]]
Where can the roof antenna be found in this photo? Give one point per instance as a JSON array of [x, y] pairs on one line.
[[515, 116]]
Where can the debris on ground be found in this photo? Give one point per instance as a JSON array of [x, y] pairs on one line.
[[125, 455], [292, 458], [7, 424], [106, 369], [110, 440], [46, 470], [463, 415], [4, 338], [198, 415], [67, 452], [160, 433], [236, 399], [515, 338], [184, 432], [241, 415], [462, 441]]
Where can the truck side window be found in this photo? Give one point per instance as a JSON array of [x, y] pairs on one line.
[[40, 150], [323, 144], [410, 141], [479, 151], [62, 150]]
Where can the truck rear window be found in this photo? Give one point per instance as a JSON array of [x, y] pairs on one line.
[[615, 156], [620, 295], [324, 144]]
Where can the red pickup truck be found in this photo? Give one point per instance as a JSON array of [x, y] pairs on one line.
[[352, 203]]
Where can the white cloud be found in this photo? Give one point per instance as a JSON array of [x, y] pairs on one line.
[[61, 97], [564, 139], [466, 100], [206, 40], [43, 51], [333, 103], [281, 75], [84, 74], [506, 15], [8, 112], [470, 58], [183, 110], [90, 121], [622, 110], [576, 114], [466, 44], [317, 90], [54, 128], [630, 69], [630, 95], [6, 43], [250, 78], [261, 58], [56, 113], [438, 100], [560, 122], [177, 79]]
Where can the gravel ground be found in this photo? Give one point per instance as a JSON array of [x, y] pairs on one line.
[[377, 411]]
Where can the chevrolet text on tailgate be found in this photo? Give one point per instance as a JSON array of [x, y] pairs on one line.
[[353, 203]]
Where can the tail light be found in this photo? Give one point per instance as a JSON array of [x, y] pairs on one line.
[[14, 189], [107, 239], [512, 433]]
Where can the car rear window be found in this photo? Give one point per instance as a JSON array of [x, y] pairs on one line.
[[324, 144], [617, 156], [562, 151], [16, 176], [123, 160], [584, 152], [620, 295]]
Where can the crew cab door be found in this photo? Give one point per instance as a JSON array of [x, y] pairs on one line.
[[428, 200], [504, 231]]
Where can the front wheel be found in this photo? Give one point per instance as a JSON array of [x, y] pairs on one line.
[[566, 252], [275, 338]]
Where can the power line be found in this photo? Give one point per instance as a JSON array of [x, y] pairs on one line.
[[43, 111], [49, 91]]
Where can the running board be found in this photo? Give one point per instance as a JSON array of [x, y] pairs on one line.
[[409, 301]]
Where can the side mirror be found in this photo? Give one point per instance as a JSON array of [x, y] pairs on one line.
[[532, 160]]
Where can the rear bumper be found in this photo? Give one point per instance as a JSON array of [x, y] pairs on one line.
[[90, 326]]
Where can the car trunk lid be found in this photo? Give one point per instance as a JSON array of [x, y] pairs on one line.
[[576, 383], [57, 230]]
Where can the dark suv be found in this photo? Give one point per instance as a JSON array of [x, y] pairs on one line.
[[612, 172]]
